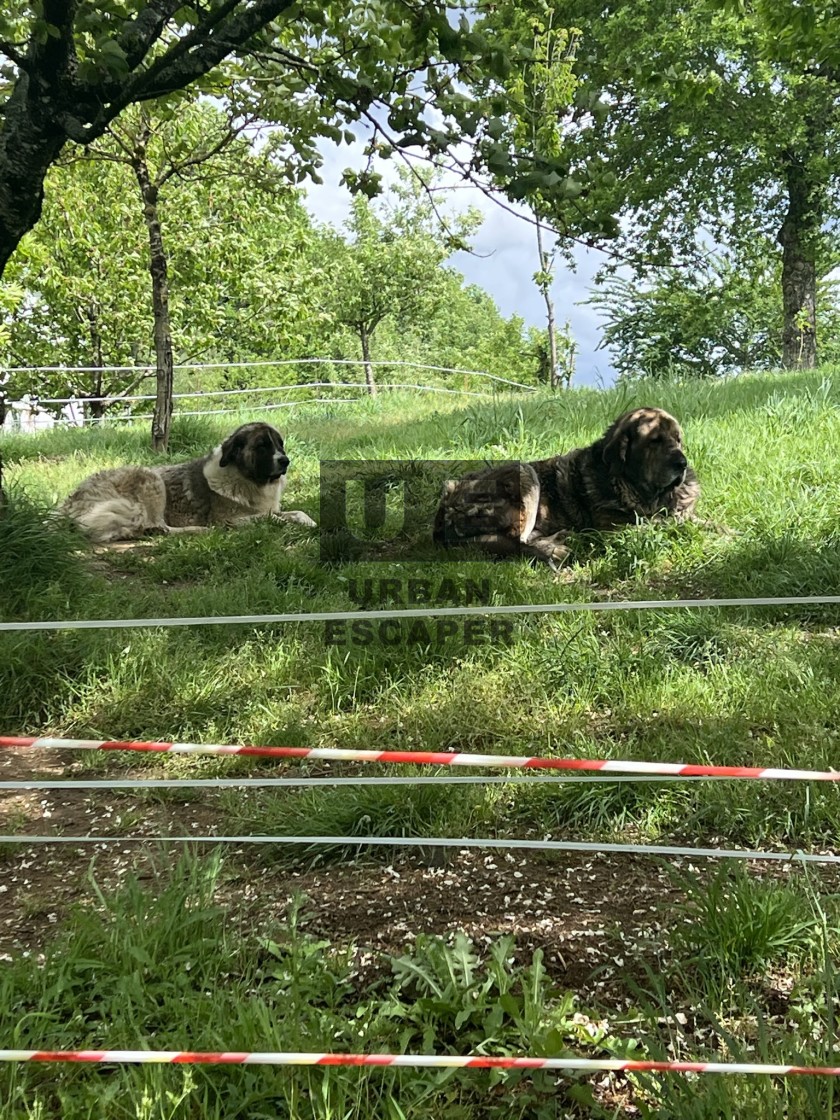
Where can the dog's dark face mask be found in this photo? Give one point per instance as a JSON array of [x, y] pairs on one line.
[[645, 448], [257, 451]]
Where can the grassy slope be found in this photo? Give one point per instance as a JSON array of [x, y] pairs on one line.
[[728, 686]]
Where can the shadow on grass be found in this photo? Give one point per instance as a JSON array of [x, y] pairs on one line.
[[191, 435], [774, 566]]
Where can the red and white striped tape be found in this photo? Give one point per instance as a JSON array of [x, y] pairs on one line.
[[433, 758], [410, 1061]]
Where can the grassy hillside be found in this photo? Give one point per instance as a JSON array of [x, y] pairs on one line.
[[728, 686]]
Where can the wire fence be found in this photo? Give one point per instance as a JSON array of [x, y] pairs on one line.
[[627, 770], [275, 364], [33, 411], [597, 606], [595, 847], [621, 769]]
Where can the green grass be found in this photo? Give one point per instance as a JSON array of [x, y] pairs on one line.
[[727, 686], [752, 686], [183, 970], [40, 565], [732, 926]]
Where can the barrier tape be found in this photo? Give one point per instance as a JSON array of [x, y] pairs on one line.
[[410, 1061], [446, 842], [422, 612], [429, 758]]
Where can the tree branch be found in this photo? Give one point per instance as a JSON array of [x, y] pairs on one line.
[[12, 51], [426, 187], [142, 32], [197, 36], [126, 389], [273, 53], [198, 52], [223, 142]]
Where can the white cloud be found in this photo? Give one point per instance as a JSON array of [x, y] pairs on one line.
[[504, 261]]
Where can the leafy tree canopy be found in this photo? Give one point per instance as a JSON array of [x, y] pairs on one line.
[[705, 130], [420, 76], [250, 278]]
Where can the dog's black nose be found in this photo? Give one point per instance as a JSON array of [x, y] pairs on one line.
[[283, 464], [679, 461]]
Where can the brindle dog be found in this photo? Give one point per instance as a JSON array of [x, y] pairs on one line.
[[637, 470]]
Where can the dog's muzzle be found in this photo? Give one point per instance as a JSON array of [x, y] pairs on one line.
[[680, 466], [280, 469]]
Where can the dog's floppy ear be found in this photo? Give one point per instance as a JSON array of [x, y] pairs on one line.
[[615, 443], [231, 447]]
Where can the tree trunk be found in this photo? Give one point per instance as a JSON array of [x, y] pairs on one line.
[[32, 136], [545, 287], [162, 418], [96, 406], [365, 339], [25, 156], [570, 356], [798, 237]]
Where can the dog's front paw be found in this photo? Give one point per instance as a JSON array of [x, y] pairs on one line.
[[557, 558], [298, 517], [553, 549]]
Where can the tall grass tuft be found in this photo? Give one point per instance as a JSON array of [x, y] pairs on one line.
[[166, 966], [40, 559], [732, 926]]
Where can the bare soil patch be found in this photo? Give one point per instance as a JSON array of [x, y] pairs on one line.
[[599, 919]]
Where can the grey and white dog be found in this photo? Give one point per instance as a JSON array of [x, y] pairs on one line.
[[243, 478]]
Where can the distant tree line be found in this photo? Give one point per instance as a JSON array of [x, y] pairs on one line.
[[244, 274]]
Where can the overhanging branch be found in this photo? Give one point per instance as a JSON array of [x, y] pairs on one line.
[[203, 48], [12, 51]]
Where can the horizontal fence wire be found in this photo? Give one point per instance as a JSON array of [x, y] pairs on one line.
[[124, 418], [424, 758], [356, 362], [410, 1061], [598, 606], [355, 780], [127, 417], [295, 403], [461, 842], [201, 393]]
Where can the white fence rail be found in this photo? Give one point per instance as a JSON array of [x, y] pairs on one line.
[[34, 413]]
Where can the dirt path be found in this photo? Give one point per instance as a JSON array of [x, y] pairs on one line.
[[579, 909], [597, 917]]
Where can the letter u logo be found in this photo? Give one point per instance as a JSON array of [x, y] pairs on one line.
[[374, 508]]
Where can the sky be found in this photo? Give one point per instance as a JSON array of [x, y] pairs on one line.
[[503, 262]]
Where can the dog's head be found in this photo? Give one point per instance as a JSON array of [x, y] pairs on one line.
[[257, 452], [644, 447]]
